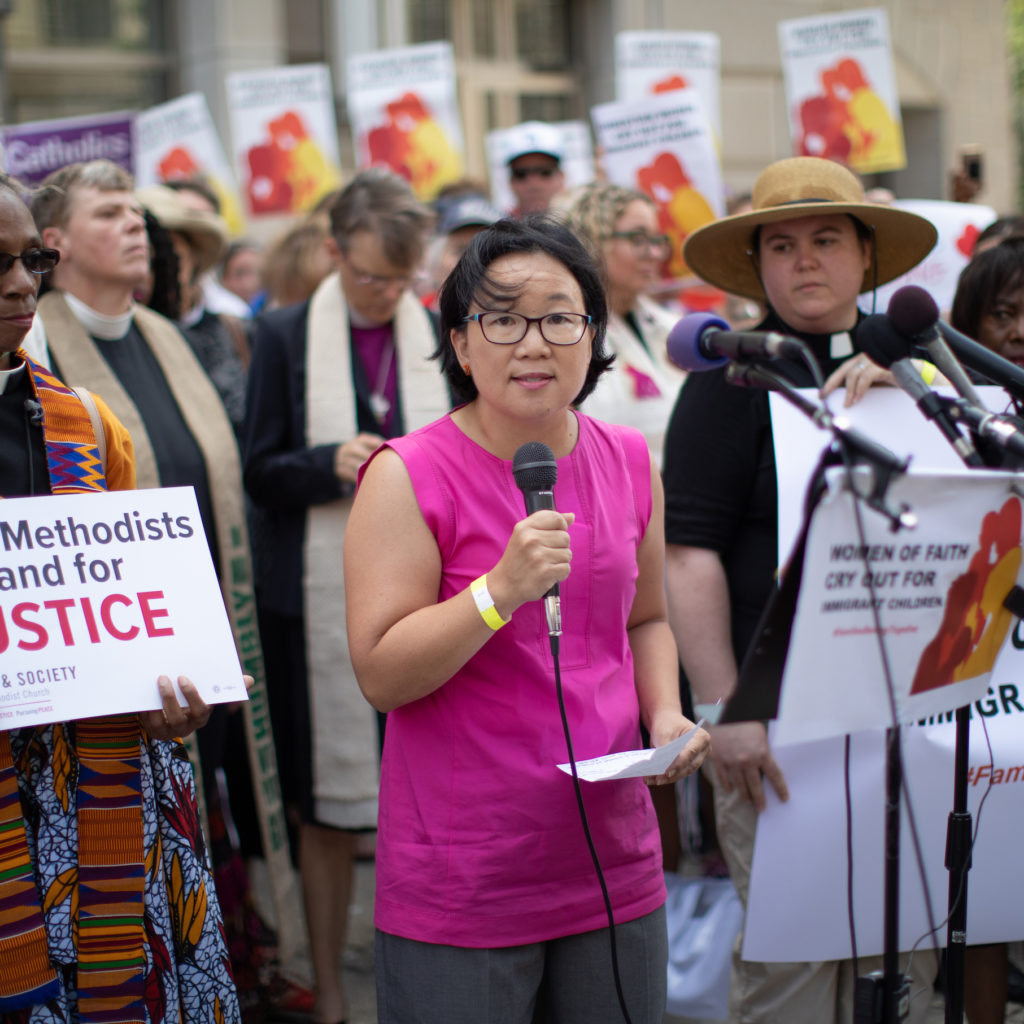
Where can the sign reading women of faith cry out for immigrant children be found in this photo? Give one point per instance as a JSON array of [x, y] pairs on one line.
[[841, 89], [651, 63], [99, 595], [662, 146], [405, 114]]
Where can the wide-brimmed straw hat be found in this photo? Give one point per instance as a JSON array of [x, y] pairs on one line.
[[207, 233], [722, 253]]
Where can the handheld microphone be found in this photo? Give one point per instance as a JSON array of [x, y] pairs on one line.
[[703, 341], [914, 313], [535, 471], [887, 347]]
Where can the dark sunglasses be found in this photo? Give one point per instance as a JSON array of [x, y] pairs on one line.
[[522, 173], [36, 261]]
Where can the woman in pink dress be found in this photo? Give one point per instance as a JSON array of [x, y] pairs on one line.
[[489, 906]]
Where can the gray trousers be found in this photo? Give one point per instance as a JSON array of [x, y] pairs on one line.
[[561, 981]]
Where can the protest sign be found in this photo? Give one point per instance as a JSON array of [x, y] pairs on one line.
[[651, 63], [404, 113], [841, 89], [32, 150], [285, 137], [663, 147], [99, 595], [959, 225], [178, 140]]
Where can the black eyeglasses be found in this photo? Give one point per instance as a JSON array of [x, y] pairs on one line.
[[36, 261], [658, 245], [522, 173], [510, 328]]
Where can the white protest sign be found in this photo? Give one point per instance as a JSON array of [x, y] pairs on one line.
[[285, 136], [177, 140], [99, 595], [797, 910], [932, 597], [841, 89], [663, 147], [959, 225], [650, 63], [405, 114]]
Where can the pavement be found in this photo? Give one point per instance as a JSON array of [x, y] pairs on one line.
[[357, 964]]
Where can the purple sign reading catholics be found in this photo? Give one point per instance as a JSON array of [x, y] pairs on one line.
[[31, 151]]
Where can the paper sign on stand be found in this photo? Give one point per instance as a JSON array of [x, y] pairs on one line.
[[178, 140], [841, 89], [285, 137], [404, 112], [651, 63], [99, 595], [933, 595], [663, 147]]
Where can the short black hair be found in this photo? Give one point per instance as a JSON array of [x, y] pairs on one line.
[[983, 280], [469, 280]]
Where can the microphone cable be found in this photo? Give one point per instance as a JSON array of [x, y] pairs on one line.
[[586, 831], [848, 470]]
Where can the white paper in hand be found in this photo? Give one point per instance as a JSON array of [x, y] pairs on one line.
[[631, 764]]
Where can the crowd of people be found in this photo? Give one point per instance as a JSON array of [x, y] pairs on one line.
[[350, 405]]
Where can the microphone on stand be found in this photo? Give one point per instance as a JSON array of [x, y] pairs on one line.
[[535, 471], [887, 347], [913, 312], [703, 341]]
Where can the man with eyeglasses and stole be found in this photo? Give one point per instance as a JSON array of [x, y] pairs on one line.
[[533, 153], [330, 379]]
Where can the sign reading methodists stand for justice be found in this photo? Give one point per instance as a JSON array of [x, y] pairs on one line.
[[99, 595]]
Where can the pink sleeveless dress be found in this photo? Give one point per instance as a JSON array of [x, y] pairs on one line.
[[480, 842]]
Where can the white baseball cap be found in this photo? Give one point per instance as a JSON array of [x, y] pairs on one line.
[[534, 137]]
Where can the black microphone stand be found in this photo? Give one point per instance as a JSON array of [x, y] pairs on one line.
[[1003, 431], [891, 1004]]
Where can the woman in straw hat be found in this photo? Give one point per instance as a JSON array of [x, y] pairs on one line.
[[808, 247]]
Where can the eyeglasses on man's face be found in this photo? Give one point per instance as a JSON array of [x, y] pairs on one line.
[[501, 328], [640, 241], [35, 261], [379, 282]]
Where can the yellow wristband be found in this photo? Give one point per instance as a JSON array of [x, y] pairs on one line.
[[485, 604], [928, 371]]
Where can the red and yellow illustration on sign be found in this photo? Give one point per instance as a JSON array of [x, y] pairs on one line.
[[413, 144], [681, 208], [975, 621], [287, 171], [850, 122]]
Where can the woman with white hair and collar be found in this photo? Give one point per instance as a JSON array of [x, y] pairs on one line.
[[808, 247]]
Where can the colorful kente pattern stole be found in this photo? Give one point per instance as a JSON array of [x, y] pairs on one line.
[[110, 936]]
